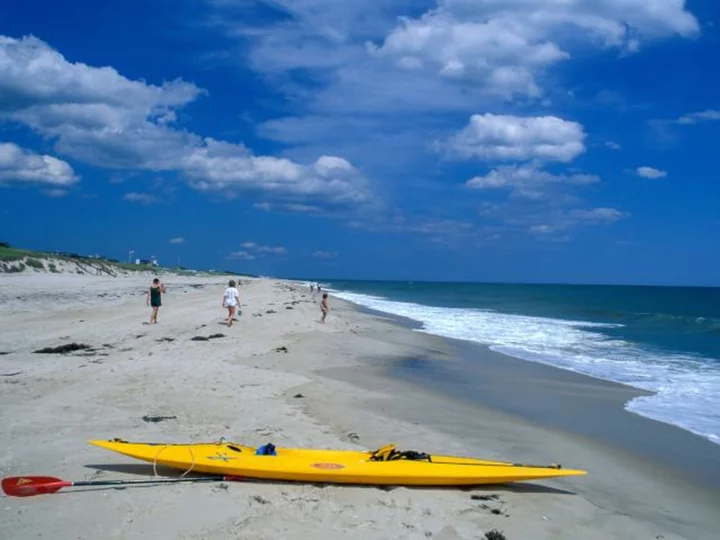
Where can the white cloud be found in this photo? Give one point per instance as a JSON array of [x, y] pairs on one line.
[[141, 198], [372, 57], [275, 250], [506, 44], [696, 117], [494, 179], [328, 165], [302, 208], [435, 229], [613, 145], [325, 254], [177, 240], [261, 249], [542, 229], [650, 172], [527, 176], [243, 255], [493, 137], [20, 166], [42, 75], [550, 218], [345, 64], [435, 226], [217, 165], [490, 52], [98, 116], [598, 214]]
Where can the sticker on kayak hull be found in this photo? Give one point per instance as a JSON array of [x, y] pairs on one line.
[[221, 457], [327, 466]]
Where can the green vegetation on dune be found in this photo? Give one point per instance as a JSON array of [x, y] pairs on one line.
[[8, 253], [37, 259], [34, 263], [137, 267], [20, 259]]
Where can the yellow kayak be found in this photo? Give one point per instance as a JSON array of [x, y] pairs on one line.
[[385, 466]]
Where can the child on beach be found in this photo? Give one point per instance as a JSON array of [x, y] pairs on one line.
[[154, 299], [231, 301], [324, 307]]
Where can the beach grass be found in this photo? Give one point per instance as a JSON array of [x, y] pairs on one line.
[[21, 259], [13, 254], [34, 263], [37, 260], [41, 260]]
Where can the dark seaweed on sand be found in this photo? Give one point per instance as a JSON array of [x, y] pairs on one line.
[[203, 338], [495, 535], [156, 419], [490, 497], [64, 349]]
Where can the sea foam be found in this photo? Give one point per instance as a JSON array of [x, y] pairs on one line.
[[686, 388]]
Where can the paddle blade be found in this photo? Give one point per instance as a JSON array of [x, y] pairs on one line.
[[28, 486]]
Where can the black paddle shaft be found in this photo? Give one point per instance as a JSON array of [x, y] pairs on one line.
[[160, 481]]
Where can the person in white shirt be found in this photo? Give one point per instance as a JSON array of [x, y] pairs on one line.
[[231, 301]]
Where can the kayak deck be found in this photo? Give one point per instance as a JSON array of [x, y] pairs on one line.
[[385, 466]]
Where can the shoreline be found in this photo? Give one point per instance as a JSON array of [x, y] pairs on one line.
[[569, 402], [634, 404], [278, 376], [653, 455], [559, 389]]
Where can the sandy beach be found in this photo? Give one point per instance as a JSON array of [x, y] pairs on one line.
[[279, 376]]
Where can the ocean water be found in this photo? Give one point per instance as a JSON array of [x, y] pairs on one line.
[[662, 339]]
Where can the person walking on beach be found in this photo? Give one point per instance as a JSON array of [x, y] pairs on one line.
[[154, 298], [231, 301], [324, 307]]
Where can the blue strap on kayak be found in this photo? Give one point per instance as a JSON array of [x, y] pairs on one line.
[[266, 450]]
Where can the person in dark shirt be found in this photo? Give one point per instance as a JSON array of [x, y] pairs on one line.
[[154, 298]]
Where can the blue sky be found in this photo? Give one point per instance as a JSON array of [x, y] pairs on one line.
[[514, 140]]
